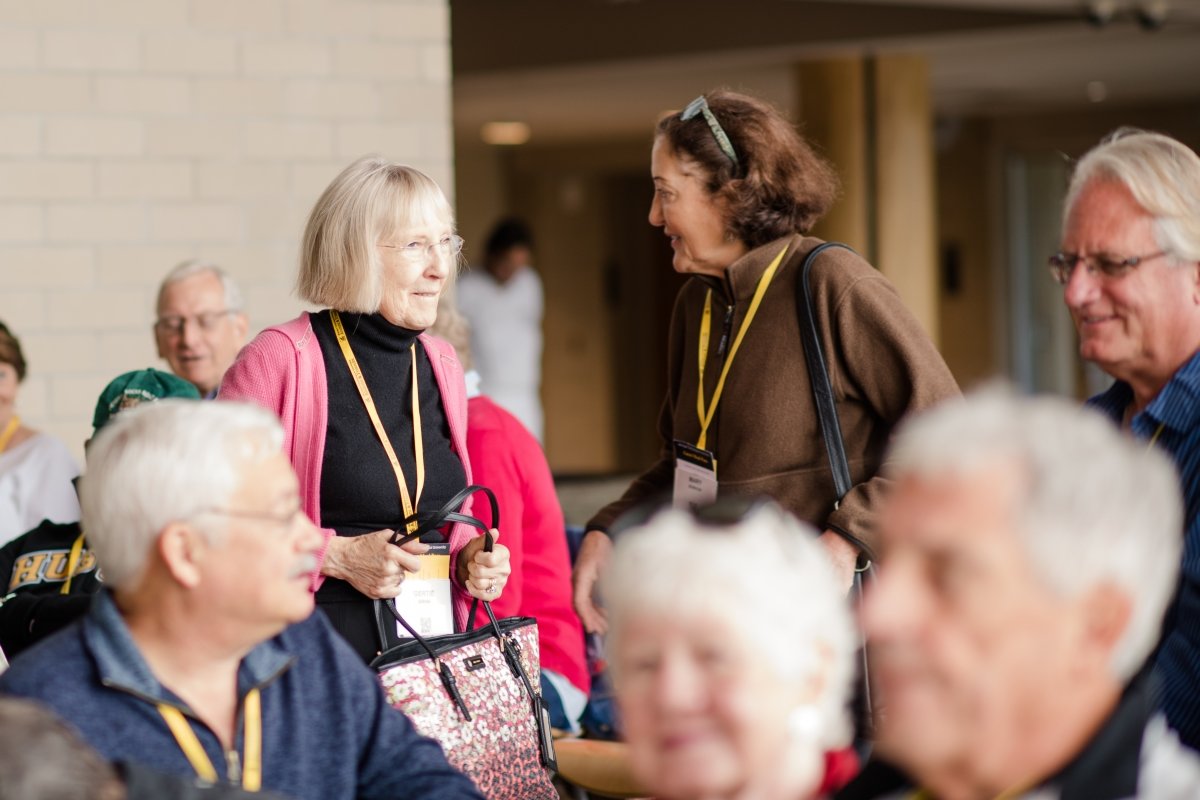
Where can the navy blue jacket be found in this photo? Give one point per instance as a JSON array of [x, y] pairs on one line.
[[1174, 415], [328, 731]]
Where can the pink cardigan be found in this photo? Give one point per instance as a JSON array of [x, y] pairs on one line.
[[283, 371]]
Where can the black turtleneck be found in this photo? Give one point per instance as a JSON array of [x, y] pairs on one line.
[[358, 487]]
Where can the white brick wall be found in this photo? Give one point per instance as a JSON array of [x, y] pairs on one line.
[[137, 133]]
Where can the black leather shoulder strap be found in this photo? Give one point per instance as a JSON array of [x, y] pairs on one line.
[[818, 374]]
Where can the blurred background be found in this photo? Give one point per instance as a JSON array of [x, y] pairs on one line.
[[951, 123], [137, 133]]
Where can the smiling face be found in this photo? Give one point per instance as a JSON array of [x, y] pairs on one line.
[[689, 215], [1143, 325], [703, 715], [412, 285], [196, 333]]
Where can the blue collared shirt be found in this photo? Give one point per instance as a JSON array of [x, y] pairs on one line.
[[1176, 409]]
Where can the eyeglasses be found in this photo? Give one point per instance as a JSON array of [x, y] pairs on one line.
[[700, 106], [420, 253], [283, 520], [1063, 264], [207, 322]]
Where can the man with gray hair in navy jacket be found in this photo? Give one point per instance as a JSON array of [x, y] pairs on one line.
[[202, 655]]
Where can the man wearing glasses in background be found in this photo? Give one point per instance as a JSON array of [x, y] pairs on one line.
[[1130, 271], [201, 325]]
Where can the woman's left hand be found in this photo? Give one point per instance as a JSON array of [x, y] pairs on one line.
[[843, 556], [484, 574]]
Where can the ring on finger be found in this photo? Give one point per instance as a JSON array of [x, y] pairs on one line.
[[492, 588]]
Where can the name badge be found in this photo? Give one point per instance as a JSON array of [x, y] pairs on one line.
[[424, 599], [695, 476]]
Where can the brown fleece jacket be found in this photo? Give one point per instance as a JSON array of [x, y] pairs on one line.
[[765, 433]]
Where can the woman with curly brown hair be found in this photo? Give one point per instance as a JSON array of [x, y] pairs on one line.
[[736, 189]]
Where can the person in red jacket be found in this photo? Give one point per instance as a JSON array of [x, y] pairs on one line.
[[507, 458]]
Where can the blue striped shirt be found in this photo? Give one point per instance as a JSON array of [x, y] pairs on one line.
[[1177, 409]]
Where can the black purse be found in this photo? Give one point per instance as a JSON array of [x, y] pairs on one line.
[[477, 692], [831, 433]]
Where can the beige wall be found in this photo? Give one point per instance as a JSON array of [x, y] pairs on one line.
[[138, 133]]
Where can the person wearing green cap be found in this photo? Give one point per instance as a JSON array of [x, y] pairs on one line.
[[134, 388], [48, 575]]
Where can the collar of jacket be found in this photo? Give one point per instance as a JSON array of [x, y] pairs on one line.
[[121, 666], [741, 277], [1177, 405], [1107, 767]]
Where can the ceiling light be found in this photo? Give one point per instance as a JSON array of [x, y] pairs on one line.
[[505, 132]]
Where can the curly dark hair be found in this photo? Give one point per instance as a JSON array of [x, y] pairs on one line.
[[10, 351], [779, 184]]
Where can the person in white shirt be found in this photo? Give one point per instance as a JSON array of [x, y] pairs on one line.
[[36, 469], [503, 302]]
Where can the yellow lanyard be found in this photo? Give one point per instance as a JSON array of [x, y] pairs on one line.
[[72, 563], [9, 430], [704, 413], [1010, 794], [408, 503], [1157, 433], [251, 743]]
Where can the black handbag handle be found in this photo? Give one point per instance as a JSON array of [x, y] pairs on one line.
[[831, 430], [433, 521]]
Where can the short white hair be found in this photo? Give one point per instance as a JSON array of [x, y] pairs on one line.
[[1162, 174], [164, 462], [1098, 507], [679, 566], [195, 266]]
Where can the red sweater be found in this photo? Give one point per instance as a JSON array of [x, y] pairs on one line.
[[507, 459]]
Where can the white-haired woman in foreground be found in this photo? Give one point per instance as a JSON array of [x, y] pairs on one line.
[[727, 691]]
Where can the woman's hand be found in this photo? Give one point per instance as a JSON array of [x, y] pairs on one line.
[[372, 564], [591, 560], [843, 556], [484, 574]]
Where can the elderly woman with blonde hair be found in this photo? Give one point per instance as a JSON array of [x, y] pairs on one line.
[[726, 692], [374, 409]]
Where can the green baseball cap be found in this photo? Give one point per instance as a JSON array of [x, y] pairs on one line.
[[137, 387]]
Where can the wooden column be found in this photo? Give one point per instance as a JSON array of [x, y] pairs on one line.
[[873, 118], [832, 102], [905, 175]]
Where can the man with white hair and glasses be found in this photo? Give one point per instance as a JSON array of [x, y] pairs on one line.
[[201, 324], [1028, 553], [1130, 271], [202, 655]]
